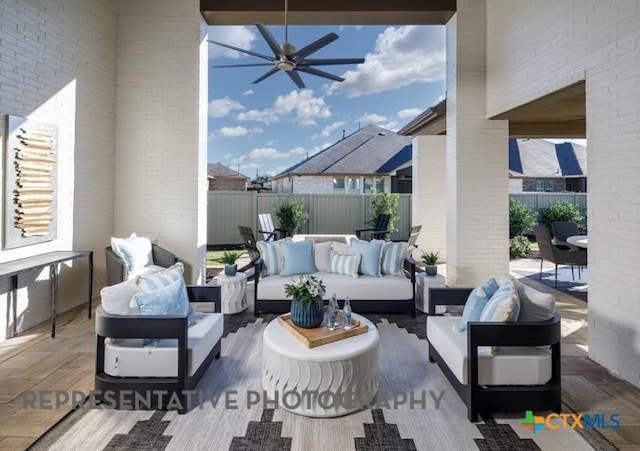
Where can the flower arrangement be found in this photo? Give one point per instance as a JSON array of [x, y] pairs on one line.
[[306, 290]]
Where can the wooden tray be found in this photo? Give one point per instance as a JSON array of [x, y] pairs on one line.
[[318, 336]]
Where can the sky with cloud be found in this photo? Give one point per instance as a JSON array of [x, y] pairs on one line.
[[264, 128]]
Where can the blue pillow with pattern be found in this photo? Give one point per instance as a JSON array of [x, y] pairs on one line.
[[393, 258], [476, 302]]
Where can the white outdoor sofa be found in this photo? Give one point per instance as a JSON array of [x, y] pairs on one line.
[[499, 366], [385, 293]]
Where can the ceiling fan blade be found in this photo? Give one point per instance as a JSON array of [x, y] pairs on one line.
[[314, 46], [245, 65], [266, 75], [319, 73], [295, 76], [248, 52], [329, 61], [266, 34]]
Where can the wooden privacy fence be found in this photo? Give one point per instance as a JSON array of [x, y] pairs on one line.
[[328, 213]]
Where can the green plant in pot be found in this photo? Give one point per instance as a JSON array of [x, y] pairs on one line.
[[229, 260], [430, 260], [306, 301]]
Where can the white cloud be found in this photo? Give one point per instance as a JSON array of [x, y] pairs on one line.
[[408, 113], [303, 105], [402, 56], [391, 125], [248, 92], [235, 132], [261, 154], [328, 130], [371, 118], [224, 107], [235, 35]]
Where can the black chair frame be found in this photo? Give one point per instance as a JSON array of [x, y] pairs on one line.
[[378, 231], [110, 389], [501, 398]]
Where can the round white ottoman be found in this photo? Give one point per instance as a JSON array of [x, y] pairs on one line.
[[327, 381]]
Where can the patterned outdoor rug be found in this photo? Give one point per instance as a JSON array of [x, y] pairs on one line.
[[436, 420], [576, 284]]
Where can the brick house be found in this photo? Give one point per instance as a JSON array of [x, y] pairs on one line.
[[371, 158], [223, 178]]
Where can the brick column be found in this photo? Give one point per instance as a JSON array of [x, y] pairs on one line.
[[428, 201], [477, 157]]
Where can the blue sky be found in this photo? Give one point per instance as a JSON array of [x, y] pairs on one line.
[[267, 127]]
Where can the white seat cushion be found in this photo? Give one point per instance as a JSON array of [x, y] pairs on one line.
[[363, 287], [129, 358], [509, 365]]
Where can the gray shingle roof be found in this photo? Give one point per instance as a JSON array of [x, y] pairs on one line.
[[540, 158], [364, 152], [222, 171]]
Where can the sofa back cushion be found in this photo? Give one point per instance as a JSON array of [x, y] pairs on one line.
[[297, 258], [535, 305], [393, 258], [344, 264], [371, 253], [321, 255], [271, 257]]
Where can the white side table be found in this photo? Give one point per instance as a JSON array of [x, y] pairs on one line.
[[233, 292], [423, 283]]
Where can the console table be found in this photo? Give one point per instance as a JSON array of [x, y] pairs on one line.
[[14, 268]]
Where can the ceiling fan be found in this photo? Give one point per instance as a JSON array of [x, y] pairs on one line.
[[286, 58]]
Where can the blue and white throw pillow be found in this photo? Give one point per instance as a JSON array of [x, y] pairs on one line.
[[371, 254], [163, 293], [135, 251], [297, 257], [476, 303], [344, 264], [504, 305], [271, 257], [393, 258]]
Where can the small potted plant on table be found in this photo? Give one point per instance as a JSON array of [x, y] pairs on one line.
[[430, 260], [229, 259]]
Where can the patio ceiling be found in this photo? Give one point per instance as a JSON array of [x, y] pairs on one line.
[[329, 12]]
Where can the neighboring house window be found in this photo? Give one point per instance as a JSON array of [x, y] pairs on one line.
[[374, 183], [548, 185], [539, 185], [338, 185], [353, 185]]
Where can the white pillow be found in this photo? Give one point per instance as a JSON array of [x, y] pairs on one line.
[[135, 251], [344, 264], [340, 248], [116, 299], [321, 255]]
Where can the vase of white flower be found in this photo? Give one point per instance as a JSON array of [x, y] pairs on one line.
[[306, 301]]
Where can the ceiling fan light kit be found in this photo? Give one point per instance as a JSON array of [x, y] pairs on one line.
[[289, 60]]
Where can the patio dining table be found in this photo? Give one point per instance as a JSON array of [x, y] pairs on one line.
[[578, 241]]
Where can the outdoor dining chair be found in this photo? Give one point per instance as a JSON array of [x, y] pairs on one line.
[[555, 254], [563, 229]]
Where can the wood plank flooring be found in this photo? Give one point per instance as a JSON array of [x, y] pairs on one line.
[[34, 361]]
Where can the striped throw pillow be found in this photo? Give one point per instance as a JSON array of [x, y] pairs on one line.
[[504, 305], [393, 258], [344, 264], [271, 257]]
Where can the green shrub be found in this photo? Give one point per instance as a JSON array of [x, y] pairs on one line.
[[561, 211], [521, 218], [291, 214], [518, 246], [386, 203]]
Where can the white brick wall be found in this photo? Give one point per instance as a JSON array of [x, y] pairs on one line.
[[599, 42], [477, 188], [429, 200], [57, 65], [160, 176]]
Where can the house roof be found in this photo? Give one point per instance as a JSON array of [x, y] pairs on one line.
[[540, 158], [221, 171], [370, 150]]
